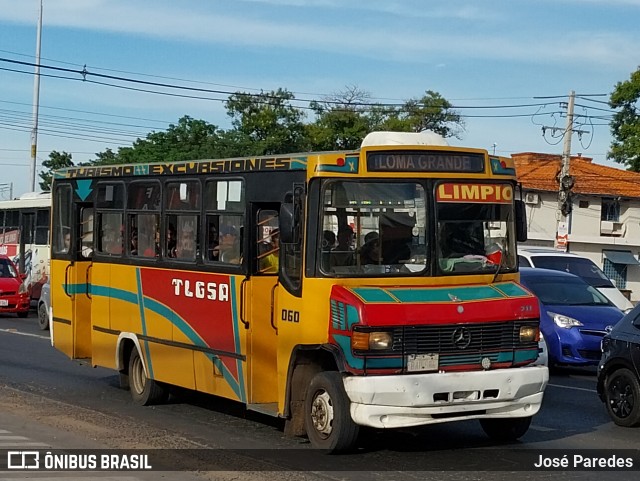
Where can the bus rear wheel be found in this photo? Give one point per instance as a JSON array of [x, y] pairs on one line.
[[505, 429], [327, 417], [144, 391]]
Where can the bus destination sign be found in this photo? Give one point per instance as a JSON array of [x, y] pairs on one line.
[[420, 161]]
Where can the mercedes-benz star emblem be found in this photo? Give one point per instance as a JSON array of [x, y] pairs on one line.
[[461, 338]]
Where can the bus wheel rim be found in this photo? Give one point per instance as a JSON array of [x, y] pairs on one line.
[[139, 379], [322, 413]]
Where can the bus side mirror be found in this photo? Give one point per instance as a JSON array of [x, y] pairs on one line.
[[521, 221], [286, 221]]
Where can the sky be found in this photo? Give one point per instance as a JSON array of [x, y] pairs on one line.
[[507, 66]]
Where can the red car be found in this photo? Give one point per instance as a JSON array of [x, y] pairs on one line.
[[14, 295]]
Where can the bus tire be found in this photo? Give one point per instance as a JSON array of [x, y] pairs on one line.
[[144, 391], [622, 397], [327, 417], [505, 429]]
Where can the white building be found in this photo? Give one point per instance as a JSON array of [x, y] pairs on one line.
[[604, 223]]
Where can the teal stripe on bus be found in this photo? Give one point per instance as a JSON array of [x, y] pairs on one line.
[[171, 316]]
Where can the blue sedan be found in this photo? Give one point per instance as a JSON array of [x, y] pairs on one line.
[[574, 317]]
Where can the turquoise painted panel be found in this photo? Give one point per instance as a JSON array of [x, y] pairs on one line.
[[526, 355], [164, 311], [345, 344], [445, 294], [373, 294], [511, 289], [352, 316]]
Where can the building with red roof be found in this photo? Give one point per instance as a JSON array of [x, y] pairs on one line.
[[604, 222]]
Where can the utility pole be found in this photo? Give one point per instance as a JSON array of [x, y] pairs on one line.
[[565, 181], [36, 104]]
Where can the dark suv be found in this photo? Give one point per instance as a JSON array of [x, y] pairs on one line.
[[619, 370]]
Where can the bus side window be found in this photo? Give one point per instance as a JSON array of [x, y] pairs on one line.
[[224, 207], [61, 221], [111, 233], [268, 242], [183, 220], [86, 233]]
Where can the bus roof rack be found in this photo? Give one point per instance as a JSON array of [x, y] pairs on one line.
[[427, 137]]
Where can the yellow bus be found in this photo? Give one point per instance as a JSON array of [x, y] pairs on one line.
[[376, 287]]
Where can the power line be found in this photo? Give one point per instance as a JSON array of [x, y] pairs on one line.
[[84, 73]]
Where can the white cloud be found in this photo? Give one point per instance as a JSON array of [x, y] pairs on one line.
[[412, 44]]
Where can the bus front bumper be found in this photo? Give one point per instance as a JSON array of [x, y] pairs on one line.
[[418, 399]]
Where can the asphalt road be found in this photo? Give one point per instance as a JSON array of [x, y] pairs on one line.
[[50, 392]]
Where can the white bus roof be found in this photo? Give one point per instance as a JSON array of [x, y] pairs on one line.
[[29, 200], [427, 137]]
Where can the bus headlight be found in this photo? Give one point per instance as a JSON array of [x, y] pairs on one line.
[[371, 341], [529, 334]]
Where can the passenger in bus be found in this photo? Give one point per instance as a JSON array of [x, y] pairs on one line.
[[171, 241], [134, 242], [460, 239], [112, 240], [269, 257], [229, 248], [67, 243], [370, 252], [343, 254]]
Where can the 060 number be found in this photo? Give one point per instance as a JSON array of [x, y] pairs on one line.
[[290, 316]]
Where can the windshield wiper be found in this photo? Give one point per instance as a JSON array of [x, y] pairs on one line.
[[495, 276]]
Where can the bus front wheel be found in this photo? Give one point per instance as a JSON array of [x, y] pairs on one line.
[[505, 429], [144, 391], [326, 414]]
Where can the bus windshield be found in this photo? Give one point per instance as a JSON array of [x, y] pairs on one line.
[[475, 236], [373, 228]]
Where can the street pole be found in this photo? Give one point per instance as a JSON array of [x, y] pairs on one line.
[[36, 102], [565, 180]]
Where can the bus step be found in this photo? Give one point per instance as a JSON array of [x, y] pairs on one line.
[[270, 409]]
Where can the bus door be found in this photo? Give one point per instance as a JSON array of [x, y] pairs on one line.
[[259, 293], [71, 252]]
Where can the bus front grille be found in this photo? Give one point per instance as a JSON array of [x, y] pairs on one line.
[[461, 339]]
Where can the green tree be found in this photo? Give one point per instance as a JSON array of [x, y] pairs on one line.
[[430, 112], [57, 160], [625, 126], [344, 119], [188, 139], [341, 120], [267, 123], [106, 157]]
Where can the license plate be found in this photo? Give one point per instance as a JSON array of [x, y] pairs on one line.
[[422, 362], [4, 302]]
